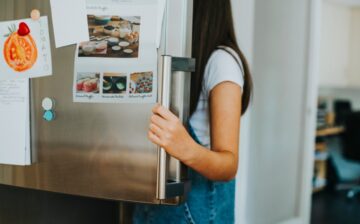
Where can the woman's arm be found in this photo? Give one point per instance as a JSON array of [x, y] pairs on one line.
[[218, 164]]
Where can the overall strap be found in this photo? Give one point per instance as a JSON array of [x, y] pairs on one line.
[[192, 133]]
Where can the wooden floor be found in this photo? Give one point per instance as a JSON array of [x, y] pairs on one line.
[[334, 208]]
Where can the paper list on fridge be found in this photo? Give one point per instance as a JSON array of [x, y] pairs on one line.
[[14, 120]]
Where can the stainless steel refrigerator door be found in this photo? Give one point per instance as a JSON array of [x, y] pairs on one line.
[[96, 150]]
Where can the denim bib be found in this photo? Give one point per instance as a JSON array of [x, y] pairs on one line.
[[208, 202]]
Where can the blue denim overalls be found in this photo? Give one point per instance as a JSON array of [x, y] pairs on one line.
[[208, 202]]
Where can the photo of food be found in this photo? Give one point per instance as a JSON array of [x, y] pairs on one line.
[[114, 83], [87, 83], [112, 37], [141, 83]]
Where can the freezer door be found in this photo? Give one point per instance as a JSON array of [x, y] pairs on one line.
[[98, 150]]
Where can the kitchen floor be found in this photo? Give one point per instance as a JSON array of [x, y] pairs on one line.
[[23, 206], [329, 207]]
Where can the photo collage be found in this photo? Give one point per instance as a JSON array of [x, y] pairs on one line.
[[119, 62], [110, 87]]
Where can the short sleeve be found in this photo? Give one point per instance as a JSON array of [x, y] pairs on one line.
[[222, 67]]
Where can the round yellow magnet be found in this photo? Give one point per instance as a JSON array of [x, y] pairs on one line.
[[35, 14]]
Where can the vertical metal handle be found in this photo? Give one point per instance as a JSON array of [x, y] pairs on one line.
[[169, 65], [165, 96]]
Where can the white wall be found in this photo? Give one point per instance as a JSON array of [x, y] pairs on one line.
[[354, 52], [347, 2], [340, 46], [243, 11], [283, 115], [340, 52], [273, 183], [335, 44]]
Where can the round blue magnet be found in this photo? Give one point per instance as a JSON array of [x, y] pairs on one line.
[[49, 115]]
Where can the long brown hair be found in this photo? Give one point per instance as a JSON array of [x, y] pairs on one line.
[[214, 26]]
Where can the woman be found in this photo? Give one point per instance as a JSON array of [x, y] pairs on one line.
[[220, 93]]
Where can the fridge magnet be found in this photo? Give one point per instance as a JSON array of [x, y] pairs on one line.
[[25, 49], [35, 14], [112, 37]]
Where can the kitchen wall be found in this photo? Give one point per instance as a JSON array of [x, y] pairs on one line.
[[354, 54], [340, 52], [335, 44], [243, 11], [340, 46], [282, 123]]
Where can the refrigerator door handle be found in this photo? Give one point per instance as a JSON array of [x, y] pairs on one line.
[[166, 188]]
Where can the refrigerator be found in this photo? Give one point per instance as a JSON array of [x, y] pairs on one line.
[[102, 150]]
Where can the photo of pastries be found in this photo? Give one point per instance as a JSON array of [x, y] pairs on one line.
[[87, 83], [112, 37], [114, 83], [141, 83]]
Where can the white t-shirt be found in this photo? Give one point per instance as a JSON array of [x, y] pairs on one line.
[[221, 67]]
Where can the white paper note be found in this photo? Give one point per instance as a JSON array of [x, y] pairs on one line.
[[160, 19], [14, 120], [70, 22], [25, 47]]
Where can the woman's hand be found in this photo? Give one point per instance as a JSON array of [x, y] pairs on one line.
[[167, 131], [221, 162]]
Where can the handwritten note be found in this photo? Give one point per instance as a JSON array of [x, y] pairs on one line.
[[11, 93], [14, 120]]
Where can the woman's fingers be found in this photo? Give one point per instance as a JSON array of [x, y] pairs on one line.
[[154, 138], [158, 121], [156, 130], [163, 112], [163, 126]]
